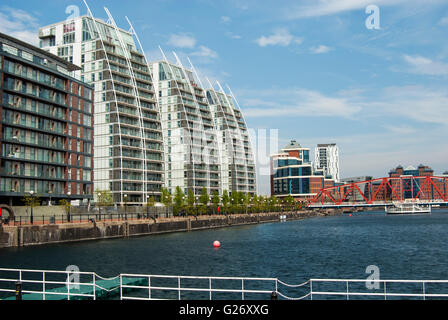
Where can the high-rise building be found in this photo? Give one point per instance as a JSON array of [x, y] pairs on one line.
[[292, 174], [326, 158], [237, 160], [46, 126], [128, 156], [192, 159], [155, 123]]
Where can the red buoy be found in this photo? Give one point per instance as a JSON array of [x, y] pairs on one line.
[[350, 215], [216, 244]]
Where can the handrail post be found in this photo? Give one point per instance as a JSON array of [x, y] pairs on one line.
[[149, 287], [121, 287], [242, 289], [94, 286], [178, 284], [346, 284], [43, 284], [276, 285], [311, 289], [385, 292], [68, 286], [210, 287], [424, 293]]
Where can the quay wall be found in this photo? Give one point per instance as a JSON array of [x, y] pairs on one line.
[[29, 235]]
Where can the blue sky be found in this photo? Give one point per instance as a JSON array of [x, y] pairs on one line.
[[310, 69]]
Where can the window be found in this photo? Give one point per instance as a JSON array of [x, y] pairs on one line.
[[85, 35], [69, 27], [69, 38]]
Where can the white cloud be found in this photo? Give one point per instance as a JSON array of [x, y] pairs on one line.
[[420, 104], [318, 8], [205, 52], [400, 129], [425, 66], [225, 19], [280, 37], [19, 24], [320, 49], [233, 36], [182, 41], [443, 22], [299, 102]]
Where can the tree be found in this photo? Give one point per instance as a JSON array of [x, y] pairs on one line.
[[66, 204], [178, 200], [225, 198], [204, 197], [151, 202], [215, 200], [190, 202], [166, 197], [246, 200], [254, 203], [290, 202], [105, 198], [31, 200]]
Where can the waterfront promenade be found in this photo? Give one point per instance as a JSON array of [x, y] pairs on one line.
[[91, 229]]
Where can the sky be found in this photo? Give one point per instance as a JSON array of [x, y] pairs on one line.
[[374, 81]]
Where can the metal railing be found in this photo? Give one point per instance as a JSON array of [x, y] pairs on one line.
[[242, 287], [384, 289], [78, 218], [69, 285], [95, 216], [43, 284]]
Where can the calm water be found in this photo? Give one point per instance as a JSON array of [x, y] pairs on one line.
[[403, 247]]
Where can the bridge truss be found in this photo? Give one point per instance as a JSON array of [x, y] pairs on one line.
[[384, 191]]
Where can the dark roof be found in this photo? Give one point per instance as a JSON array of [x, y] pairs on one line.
[[326, 145], [292, 144], [44, 54]]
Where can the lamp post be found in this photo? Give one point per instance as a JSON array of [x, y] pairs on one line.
[[32, 204], [99, 202], [49, 192], [210, 204], [125, 206], [184, 206], [196, 205], [69, 206], [147, 206]]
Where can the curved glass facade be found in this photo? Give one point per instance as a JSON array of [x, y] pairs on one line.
[[191, 150], [128, 153], [237, 159]]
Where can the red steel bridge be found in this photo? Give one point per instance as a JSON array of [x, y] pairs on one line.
[[432, 190]]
